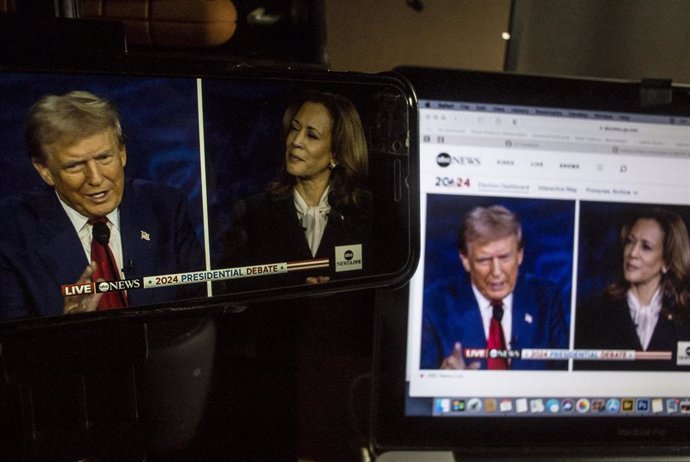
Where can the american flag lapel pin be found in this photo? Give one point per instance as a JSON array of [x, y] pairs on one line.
[[145, 236]]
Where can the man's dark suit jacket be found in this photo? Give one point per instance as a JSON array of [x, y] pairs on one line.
[[451, 314], [267, 230], [40, 250], [606, 324]]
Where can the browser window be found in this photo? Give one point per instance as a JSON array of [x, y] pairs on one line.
[[573, 178]]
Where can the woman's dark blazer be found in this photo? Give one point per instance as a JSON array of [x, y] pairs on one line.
[[606, 324], [266, 230]]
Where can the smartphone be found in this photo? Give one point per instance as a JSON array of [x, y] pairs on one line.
[[223, 186]]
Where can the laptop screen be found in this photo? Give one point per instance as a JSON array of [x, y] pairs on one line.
[[553, 282]]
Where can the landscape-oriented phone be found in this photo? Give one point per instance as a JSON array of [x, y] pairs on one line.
[[200, 189]]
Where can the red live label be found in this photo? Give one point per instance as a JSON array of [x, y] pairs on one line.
[[78, 289]]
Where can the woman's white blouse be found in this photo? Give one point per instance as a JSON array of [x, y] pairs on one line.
[[645, 316], [313, 219]]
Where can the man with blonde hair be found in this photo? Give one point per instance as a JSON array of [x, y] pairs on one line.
[[495, 310], [89, 222]]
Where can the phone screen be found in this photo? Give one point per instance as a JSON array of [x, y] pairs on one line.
[[215, 189]]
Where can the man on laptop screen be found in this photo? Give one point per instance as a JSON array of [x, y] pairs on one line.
[[495, 310]]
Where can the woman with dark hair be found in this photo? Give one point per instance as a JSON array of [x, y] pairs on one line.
[[648, 307], [318, 201]]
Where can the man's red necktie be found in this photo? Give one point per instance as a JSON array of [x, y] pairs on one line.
[[107, 268], [497, 340]]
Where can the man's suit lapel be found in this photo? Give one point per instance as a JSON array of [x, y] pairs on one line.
[[58, 246], [139, 234], [469, 317], [525, 317]]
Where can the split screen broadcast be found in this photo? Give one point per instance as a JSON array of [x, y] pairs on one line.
[[557, 232], [123, 191]]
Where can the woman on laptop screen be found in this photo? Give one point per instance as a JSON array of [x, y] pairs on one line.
[[648, 308]]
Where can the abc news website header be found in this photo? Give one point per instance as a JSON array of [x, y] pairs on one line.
[[555, 154], [578, 157]]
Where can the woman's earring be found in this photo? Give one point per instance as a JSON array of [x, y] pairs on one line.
[[332, 165]]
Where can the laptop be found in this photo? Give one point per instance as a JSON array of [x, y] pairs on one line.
[[542, 190]]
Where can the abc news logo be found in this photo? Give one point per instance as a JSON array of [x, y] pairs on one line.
[[683, 354], [100, 287], [123, 284], [348, 257], [446, 160]]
